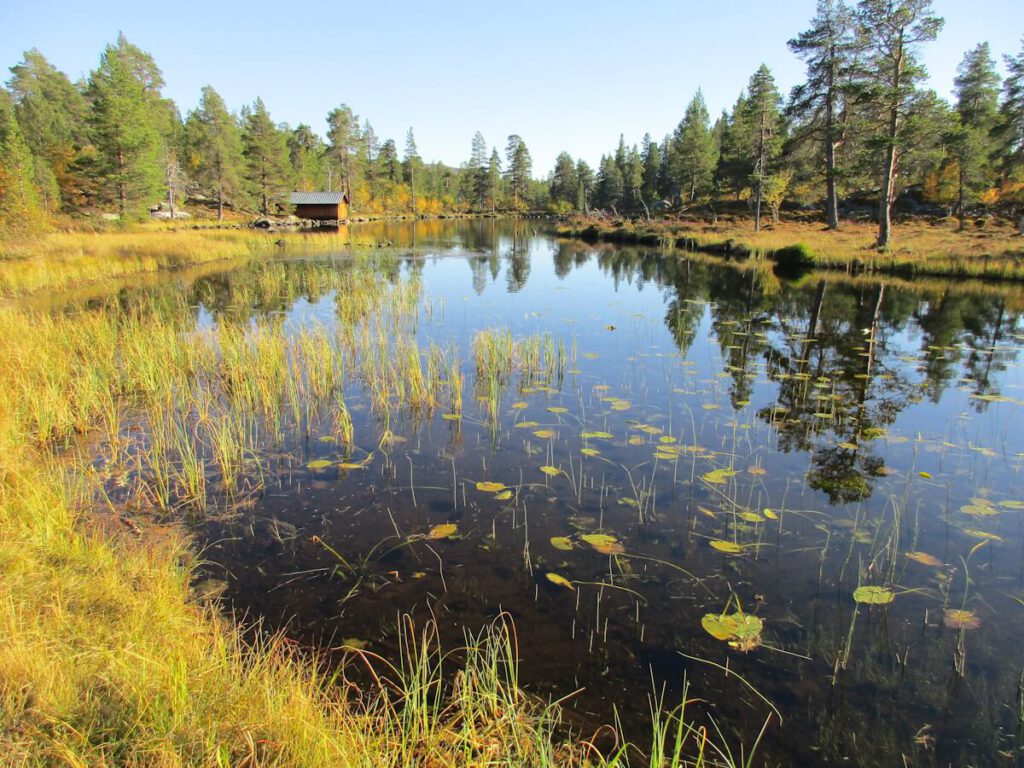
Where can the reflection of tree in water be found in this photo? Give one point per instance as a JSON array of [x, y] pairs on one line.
[[740, 307], [968, 328], [835, 391]]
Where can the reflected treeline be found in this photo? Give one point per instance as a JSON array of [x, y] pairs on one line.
[[841, 352]]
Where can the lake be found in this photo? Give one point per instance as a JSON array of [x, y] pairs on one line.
[[804, 498]]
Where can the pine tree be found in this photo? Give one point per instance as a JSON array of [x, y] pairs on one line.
[[693, 155], [266, 157], [214, 144], [123, 123], [890, 32], [828, 48]]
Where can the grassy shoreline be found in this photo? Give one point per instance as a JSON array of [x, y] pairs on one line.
[[920, 249], [57, 261]]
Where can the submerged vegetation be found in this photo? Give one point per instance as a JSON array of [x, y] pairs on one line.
[[108, 658]]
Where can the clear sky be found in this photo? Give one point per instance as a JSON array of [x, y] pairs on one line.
[[564, 74]]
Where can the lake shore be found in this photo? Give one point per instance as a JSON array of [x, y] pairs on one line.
[[992, 252]]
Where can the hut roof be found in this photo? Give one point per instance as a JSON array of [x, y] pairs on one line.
[[317, 198]]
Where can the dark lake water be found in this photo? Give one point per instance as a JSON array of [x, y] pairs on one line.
[[736, 442]]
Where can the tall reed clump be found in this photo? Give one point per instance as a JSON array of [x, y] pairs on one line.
[[497, 357]]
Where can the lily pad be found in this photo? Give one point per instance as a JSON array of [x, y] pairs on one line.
[[561, 542], [728, 547], [490, 487], [503, 495], [740, 630], [590, 452], [597, 435], [442, 531], [319, 464], [717, 476], [924, 559], [954, 618], [560, 581], [873, 595], [545, 433], [551, 471], [603, 543], [557, 409]]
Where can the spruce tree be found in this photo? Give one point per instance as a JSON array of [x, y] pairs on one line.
[[734, 160], [306, 155], [51, 115], [346, 152], [265, 150], [977, 110], [763, 123], [609, 184], [412, 164], [1011, 114], [564, 186], [21, 211], [585, 180], [123, 124], [693, 154], [518, 168], [652, 168], [215, 150]]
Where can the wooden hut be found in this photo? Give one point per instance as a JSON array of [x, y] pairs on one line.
[[320, 206]]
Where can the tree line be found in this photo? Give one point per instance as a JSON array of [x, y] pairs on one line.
[[860, 128], [113, 142]]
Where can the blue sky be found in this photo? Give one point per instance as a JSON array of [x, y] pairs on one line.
[[564, 75]]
